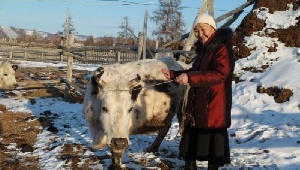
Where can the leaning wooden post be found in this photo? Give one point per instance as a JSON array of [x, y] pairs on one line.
[[210, 6], [68, 77]]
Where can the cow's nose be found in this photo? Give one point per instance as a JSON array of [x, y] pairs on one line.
[[118, 143]]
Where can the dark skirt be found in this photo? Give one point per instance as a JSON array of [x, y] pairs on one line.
[[210, 145]]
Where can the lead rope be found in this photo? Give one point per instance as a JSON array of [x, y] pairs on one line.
[[169, 81], [185, 114]]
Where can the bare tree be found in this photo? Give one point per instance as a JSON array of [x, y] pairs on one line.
[[127, 31], [68, 26], [168, 18], [89, 41]]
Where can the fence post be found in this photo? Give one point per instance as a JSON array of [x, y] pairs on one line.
[[118, 57], [156, 47], [140, 45], [68, 77], [25, 53], [62, 56], [11, 53], [42, 55]]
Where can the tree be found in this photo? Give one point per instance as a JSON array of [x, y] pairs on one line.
[[168, 18], [89, 41], [127, 31], [34, 37], [69, 29]]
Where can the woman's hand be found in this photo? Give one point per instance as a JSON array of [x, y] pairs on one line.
[[166, 73], [182, 79]]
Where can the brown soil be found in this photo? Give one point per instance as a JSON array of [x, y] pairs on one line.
[[18, 131]]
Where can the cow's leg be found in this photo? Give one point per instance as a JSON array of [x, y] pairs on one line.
[[175, 108], [163, 131], [161, 135]]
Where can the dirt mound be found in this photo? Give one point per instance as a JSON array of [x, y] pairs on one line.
[[251, 23]]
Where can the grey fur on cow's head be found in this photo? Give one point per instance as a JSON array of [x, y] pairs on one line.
[[134, 86]]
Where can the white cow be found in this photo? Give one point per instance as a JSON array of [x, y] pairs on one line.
[[131, 98], [7, 74]]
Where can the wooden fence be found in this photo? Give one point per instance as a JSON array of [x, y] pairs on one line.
[[81, 56]]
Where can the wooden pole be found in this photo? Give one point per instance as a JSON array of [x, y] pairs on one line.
[[25, 53], [68, 77], [145, 34], [62, 56], [11, 53], [42, 56], [140, 45], [210, 6], [119, 57]]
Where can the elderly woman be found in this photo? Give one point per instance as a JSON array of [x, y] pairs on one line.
[[208, 114]]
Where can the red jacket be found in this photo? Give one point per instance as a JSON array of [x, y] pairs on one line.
[[210, 78]]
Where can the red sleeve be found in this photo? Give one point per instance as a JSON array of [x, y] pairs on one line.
[[219, 70]]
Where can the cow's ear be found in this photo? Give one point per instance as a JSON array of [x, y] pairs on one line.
[[135, 91], [135, 87], [95, 89], [97, 77], [134, 82], [98, 73]]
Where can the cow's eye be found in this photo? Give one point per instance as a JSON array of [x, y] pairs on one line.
[[130, 109], [5, 74], [104, 109]]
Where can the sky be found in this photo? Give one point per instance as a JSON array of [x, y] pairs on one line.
[[97, 17], [264, 135]]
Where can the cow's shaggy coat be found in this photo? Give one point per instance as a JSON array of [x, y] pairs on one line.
[[131, 98]]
